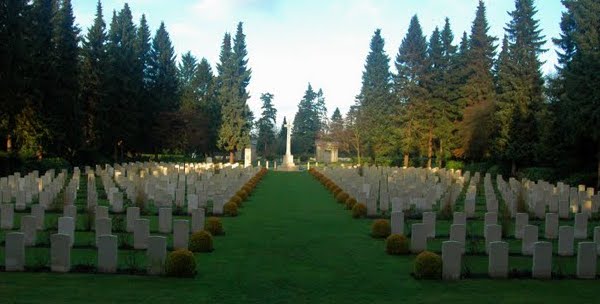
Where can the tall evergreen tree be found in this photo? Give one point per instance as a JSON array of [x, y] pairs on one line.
[[147, 109], [66, 111], [187, 73], [121, 111], [306, 124], [478, 91], [525, 85], [93, 79], [321, 110], [266, 126], [209, 104], [234, 76], [375, 100], [410, 86], [580, 75], [163, 72], [14, 60]]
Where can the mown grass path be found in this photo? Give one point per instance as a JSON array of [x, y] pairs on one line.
[[291, 244]]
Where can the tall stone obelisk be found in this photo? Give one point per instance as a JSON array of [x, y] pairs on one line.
[[288, 158]]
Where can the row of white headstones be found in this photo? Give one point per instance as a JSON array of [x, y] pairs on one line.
[[403, 188], [157, 183]]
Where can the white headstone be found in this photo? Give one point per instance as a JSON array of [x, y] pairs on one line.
[[493, 233], [542, 260], [60, 253], [198, 219], [107, 253], [551, 226], [66, 225], [418, 238], [451, 260], [586, 260], [141, 232], [39, 212], [530, 237], [429, 222], [498, 260], [7, 217], [156, 254], [133, 213], [181, 234], [397, 222], [581, 221], [522, 219], [103, 227], [460, 218], [566, 238], [28, 227], [165, 220], [14, 254]]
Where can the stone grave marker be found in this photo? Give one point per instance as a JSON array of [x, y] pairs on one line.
[[107, 253], [60, 253], [498, 260], [451, 260], [542, 260], [586, 260], [566, 238], [14, 254]]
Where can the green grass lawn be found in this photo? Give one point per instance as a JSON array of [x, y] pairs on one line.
[[293, 244]]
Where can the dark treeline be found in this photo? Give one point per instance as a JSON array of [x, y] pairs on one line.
[[115, 92], [485, 99]]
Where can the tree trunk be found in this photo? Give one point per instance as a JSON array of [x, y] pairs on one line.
[[405, 160], [598, 179], [440, 155], [513, 168], [231, 157], [8, 143], [429, 148]]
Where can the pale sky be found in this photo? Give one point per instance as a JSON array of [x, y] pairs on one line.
[[324, 42]]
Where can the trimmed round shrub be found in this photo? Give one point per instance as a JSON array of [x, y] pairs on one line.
[[230, 209], [359, 210], [350, 202], [214, 226], [237, 200], [242, 194], [201, 241], [180, 263], [381, 228], [337, 190], [396, 244], [342, 197], [428, 265]]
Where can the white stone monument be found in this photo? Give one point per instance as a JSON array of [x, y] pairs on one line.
[[288, 158]]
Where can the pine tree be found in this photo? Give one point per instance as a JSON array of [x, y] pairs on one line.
[[375, 100], [410, 87], [526, 83], [163, 72], [234, 76], [121, 112], [209, 103], [478, 91], [306, 124], [321, 110], [187, 72], [93, 79], [336, 128], [147, 109], [66, 111], [14, 62], [266, 126], [580, 75]]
